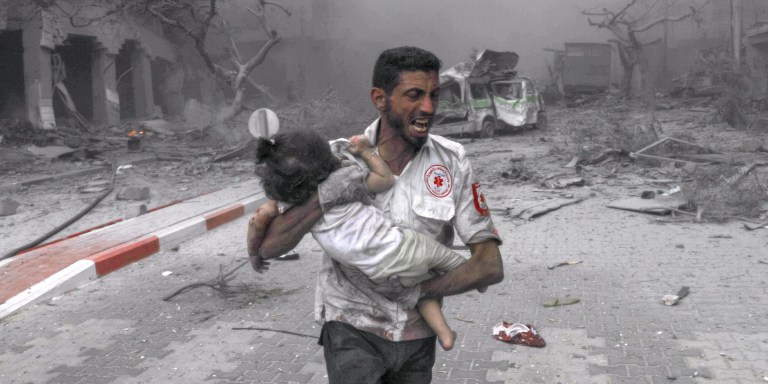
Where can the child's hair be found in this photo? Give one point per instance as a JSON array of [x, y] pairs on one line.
[[292, 165]]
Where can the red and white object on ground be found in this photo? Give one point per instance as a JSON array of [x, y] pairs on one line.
[[523, 334]]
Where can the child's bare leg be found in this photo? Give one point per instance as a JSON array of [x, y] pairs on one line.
[[433, 315]]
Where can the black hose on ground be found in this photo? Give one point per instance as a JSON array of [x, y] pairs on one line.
[[65, 224]]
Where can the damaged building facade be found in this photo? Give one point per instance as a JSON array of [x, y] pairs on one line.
[[67, 66], [756, 59]]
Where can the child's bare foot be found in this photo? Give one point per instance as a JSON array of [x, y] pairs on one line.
[[447, 339]]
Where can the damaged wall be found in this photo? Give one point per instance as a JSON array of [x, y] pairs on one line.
[[69, 68], [756, 59], [687, 38]]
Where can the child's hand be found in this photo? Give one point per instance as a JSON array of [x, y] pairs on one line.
[[359, 144]]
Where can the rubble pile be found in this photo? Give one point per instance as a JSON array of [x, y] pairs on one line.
[[325, 113], [712, 83], [20, 132]]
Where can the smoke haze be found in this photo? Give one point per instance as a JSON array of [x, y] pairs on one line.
[[452, 29]]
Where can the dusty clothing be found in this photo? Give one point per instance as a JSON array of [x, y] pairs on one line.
[[435, 193], [359, 236], [377, 257]]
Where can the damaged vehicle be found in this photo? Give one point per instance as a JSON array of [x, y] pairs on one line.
[[486, 95]]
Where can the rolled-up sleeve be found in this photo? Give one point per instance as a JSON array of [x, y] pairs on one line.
[[472, 220]]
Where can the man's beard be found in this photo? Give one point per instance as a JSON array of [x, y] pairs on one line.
[[398, 123]]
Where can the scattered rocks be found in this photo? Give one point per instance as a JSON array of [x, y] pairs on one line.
[[133, 193], [8, 207]]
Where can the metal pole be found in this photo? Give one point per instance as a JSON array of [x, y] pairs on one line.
[[665, 46], [736, 34]]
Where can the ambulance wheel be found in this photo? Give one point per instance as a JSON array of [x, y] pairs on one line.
[[488, 129]]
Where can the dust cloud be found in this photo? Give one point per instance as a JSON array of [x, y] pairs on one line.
[[452, 29]]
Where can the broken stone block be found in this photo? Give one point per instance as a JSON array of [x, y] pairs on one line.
[[134, 210], [133, 193], [8, 207]]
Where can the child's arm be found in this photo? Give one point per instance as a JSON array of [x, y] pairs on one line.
[[257, 229], [381, 178]]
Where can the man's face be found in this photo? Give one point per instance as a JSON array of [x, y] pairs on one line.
[[410, 107]]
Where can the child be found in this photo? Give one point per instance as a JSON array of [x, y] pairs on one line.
[[292, 165]]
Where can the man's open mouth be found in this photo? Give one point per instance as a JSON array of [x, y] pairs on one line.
[[420, 125]]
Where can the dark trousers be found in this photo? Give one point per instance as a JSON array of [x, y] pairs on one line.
[[359, 357]]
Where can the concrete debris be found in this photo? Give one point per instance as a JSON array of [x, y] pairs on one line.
[[647, 195], [671, 300], [660, 204], [8, 207], [133, 193], [528, 209], [134, 210], [51, 151], [162, 126], [565, 183]]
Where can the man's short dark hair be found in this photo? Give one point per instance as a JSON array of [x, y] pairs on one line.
[[389, 65]]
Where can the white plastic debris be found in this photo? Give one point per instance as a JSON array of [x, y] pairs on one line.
[[670, 299], [123, 168], [167, 273], [509, 330], [672, 191]]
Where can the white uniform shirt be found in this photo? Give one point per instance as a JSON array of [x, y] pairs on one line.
[[435, 193], [357, 235]]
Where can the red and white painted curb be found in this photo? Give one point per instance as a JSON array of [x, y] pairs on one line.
[[104, 262]]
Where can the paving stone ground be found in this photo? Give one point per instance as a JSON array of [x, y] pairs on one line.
[[119, 330]]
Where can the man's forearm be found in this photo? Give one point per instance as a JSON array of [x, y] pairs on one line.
[[287, 229], [484, 268]]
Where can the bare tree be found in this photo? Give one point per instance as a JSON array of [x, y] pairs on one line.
[[627, 25], [195, 18]]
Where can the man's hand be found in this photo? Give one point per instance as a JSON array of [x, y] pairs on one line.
[[483, 268], [345, 185], [257, 228]]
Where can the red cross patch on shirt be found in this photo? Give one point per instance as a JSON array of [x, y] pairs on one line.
[[479, 199], [438, 180]]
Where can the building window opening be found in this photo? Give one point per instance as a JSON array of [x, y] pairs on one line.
[[12, 104], [124, 74], [72, 66]]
